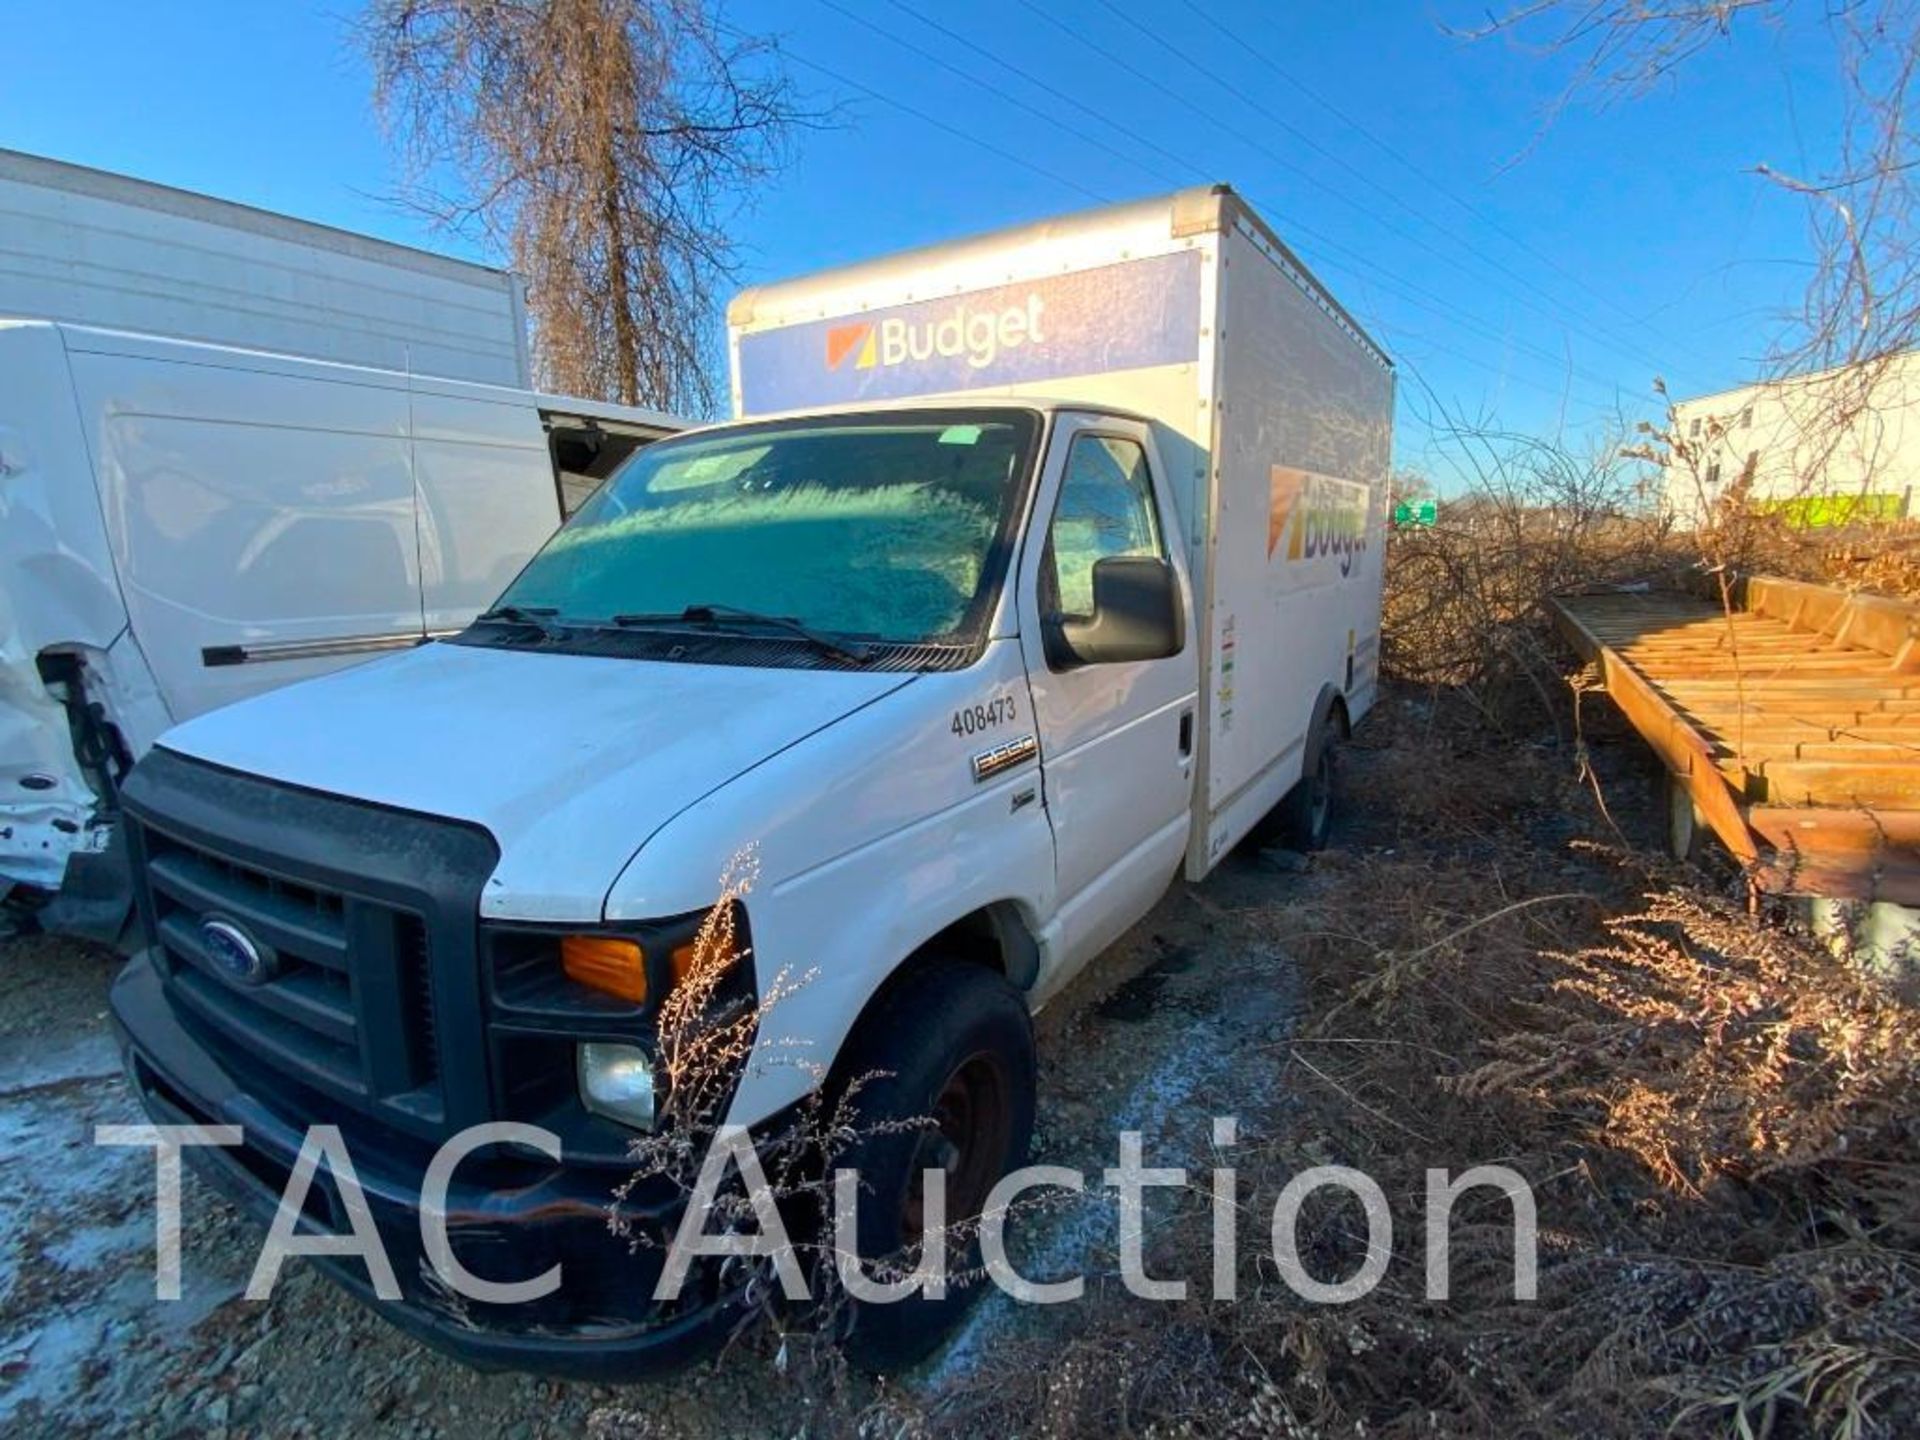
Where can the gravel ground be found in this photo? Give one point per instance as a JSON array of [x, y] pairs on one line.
[[1146, 1039]]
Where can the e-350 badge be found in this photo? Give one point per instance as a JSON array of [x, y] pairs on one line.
[[989, 763]]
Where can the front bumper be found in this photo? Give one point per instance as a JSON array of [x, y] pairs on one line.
[[507, 1221]]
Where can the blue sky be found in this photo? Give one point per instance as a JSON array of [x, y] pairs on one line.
[[1531, 273]]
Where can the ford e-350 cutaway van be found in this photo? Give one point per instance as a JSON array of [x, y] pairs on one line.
[[1057, 575]]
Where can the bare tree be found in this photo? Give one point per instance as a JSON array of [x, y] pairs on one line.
[[1863, 302], [603, 146]]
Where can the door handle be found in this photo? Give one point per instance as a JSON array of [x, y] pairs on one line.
[[1186, 734]]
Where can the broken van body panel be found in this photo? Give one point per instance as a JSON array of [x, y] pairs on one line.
[[57, 590]]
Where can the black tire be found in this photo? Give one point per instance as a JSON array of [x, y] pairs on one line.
[[1304, 817], [953, 1042]]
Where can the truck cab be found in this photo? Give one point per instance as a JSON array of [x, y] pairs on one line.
[[582, 762]]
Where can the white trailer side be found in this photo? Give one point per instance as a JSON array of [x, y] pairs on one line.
[[91, 248], [1273, 413]]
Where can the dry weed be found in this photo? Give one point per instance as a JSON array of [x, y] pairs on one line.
[[1715, 1113]]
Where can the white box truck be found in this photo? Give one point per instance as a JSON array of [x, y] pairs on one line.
[[1064, 575], [185, 525]]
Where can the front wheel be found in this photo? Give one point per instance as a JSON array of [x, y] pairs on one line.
[[950, 1056]]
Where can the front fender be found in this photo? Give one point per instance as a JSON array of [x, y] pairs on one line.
[[873, 836]]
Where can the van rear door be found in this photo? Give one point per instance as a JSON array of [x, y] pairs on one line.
[[488, 499], [261, 512]]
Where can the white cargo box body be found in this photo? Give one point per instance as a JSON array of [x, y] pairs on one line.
[[1272, 410], [90, 248]]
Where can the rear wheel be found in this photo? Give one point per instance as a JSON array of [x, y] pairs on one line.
[[951, 1047], [1304, 818]]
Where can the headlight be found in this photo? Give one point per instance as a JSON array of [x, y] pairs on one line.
[[617, 1081]]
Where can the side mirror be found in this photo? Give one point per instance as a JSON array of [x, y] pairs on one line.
[[1136, 616]]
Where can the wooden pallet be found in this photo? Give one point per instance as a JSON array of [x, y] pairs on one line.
[[1790, 727]]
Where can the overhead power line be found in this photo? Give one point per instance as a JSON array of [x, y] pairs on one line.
[[1162, 43], [1401, 288], [1366, 270], [933, 59], [939, 124], [1413, 167]]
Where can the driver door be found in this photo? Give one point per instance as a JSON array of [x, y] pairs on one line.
[[1116, 739]]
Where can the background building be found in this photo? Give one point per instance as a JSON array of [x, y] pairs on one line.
[[86, 247], [1825, 447]]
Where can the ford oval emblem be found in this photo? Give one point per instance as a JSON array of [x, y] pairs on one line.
[[236, 952]]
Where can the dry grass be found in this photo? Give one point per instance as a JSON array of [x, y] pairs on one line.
[[1465, 603], [1716, 1113], [1882, 557]]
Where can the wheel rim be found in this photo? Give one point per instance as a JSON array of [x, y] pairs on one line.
[[972, 1121]]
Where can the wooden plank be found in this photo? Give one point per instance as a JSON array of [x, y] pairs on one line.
[[1813, 783], [1716, 638], [1786, 707], [1712, 626], [1845, 854], [1763, 647], [1754, 671], [1897, 744], [1894, 880], [1762, 755], [1872, 622], [1777, 651], [1686, 753], [1836, 832], [1755, 685]]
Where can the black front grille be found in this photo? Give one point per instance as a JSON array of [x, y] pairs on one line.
[[416, 996], [344, 969], [368, 917]]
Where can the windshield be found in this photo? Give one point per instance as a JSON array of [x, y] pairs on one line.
[[888, 528]]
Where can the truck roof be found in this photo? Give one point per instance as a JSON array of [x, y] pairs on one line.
[[949, 266]]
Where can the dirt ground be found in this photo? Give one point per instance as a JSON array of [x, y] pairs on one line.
[[1151, 1038]]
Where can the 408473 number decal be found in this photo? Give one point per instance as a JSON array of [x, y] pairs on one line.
[[972, 719]]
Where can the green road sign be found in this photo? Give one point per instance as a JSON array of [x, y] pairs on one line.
[[1422, 513]]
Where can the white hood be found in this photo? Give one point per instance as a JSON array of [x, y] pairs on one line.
[[570, 762]]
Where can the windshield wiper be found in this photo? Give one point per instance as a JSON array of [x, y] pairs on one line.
[[535, 616], [732, 614]]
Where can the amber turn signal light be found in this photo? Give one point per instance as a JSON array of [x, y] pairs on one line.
[[683, 959], [601, 962]]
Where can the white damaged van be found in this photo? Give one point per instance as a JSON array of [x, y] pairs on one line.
[[1056, 573], [184, 525]]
